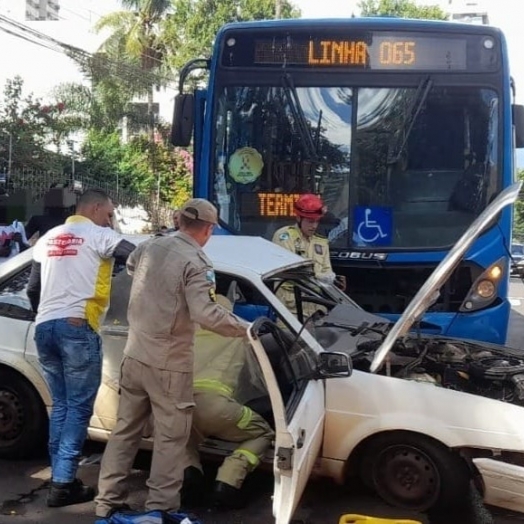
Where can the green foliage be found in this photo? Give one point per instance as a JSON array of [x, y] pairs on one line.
[[148, 40], [28, 127], [192, 28], [139, 166], [136, 44], [401, 8]]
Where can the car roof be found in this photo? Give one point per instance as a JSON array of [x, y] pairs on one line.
[[251, 254], [228, 253]]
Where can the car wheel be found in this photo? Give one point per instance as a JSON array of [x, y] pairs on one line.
[[414, 472], [23, 418]]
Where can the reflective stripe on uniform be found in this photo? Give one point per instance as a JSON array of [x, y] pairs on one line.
[[212, 385], [249, 455], [245, 419]]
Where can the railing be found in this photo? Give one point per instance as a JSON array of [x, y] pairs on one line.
[[39, 182]]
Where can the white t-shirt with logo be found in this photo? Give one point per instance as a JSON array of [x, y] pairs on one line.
[[76, 269], [7, 233]]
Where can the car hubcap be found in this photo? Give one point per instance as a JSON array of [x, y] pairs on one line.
[[406, 476], [11, 416]]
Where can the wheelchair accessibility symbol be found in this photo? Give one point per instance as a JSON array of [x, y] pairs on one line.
[[373, 225]]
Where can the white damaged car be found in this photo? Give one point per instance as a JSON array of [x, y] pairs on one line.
[[419, 417]]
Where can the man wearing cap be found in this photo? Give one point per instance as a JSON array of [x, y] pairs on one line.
[[173, 290]]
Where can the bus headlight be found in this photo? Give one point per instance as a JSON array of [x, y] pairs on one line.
[[485, 289], [483, 292]]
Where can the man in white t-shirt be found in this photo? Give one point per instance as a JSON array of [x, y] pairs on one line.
[[69, 288]]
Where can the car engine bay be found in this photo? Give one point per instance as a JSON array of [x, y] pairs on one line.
[[483, 369]]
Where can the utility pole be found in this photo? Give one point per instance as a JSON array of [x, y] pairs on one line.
[[278, 9], [71, 144], [10, 158]]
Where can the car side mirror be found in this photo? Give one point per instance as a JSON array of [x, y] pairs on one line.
[[333, 365]]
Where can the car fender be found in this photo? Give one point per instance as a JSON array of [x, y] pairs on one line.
[[364, 405], [19, 364]]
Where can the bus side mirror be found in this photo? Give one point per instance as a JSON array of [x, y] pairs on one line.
[[518, 122], [183, 120]]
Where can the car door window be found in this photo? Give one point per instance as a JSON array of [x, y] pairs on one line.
[[14, 302]]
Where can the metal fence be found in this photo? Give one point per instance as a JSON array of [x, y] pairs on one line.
[[39, 182]]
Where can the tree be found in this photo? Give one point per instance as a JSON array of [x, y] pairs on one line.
[[518, 222], [27, 128], [100, 107], [139, 166], [193, 26], [136, 43], [401, 8]]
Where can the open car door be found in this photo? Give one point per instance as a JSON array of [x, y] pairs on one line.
[[298, 409]]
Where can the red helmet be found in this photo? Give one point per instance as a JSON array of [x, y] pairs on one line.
[[309, 206]]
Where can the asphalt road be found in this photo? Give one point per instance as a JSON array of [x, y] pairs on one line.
[[23, 486]]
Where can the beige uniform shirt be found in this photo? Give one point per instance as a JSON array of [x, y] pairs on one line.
[[315, 248], [173, 289]]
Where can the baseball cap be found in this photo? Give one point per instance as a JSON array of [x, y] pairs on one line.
[[200, 209]]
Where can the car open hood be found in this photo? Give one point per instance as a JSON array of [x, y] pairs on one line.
[[429, 291]]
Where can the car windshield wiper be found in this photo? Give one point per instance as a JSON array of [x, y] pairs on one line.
[[380, 328], [298, 114], [421, 95]]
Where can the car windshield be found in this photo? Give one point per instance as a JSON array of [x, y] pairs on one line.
[[303, 294], [398, 167]]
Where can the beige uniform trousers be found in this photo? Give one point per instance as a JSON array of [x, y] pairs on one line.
[[224, 418], [168, 395]]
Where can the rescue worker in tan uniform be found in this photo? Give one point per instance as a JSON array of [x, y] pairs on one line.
[[173, 289], [218, 363], [301, 238]]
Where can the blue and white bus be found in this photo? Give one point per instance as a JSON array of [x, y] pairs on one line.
[[406, 128]]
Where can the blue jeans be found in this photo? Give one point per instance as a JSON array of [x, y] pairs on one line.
[[71, 359]]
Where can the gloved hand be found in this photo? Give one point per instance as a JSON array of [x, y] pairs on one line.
[[328, 278]]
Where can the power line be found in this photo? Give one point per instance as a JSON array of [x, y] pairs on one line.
[[81, 56]]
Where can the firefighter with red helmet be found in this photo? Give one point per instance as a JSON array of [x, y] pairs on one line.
[[302, 238]]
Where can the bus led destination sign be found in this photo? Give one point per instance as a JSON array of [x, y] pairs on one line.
[[378, 52], [276, 204], [268, 205], [357, 53]]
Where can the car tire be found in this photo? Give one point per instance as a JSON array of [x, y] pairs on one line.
[[23, 418], [414, 472]]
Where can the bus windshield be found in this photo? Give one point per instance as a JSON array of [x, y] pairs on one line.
[[398, 167]]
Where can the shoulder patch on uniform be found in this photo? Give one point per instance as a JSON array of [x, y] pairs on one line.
[[319, 249], [284, 236]]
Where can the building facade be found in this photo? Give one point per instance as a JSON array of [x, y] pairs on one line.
[[468, 11], [46, 10]]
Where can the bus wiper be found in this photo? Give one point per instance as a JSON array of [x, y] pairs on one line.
[[298, 114], [424, 87]]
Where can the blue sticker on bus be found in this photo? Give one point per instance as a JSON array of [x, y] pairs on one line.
[[373, 225]]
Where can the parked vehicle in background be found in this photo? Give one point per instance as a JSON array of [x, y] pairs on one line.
[[517, 259]]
